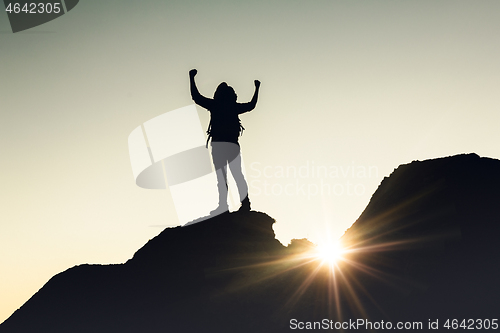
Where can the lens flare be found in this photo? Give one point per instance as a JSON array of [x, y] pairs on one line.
[[330, 252]]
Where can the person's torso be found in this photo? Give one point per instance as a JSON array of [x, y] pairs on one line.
[[225, 124]]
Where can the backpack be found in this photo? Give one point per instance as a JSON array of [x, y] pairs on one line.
[[233, 124]]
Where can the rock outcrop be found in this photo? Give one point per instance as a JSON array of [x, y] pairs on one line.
[[425, 248]]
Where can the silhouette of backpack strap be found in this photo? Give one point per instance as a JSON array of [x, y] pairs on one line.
[[209, 132]]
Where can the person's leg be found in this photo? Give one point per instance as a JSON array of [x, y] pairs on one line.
[[235, 167], [220, 163]]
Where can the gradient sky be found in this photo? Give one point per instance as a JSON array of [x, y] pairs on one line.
[[345, 84]]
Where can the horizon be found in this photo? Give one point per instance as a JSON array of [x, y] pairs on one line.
[[360, 85]]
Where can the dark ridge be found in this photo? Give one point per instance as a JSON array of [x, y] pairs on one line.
[[176, 280], [432, 229], [425, 248]]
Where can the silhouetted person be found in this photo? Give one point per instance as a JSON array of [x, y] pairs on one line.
[[224, 130]]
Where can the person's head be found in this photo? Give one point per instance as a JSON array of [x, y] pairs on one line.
[[225, 93]]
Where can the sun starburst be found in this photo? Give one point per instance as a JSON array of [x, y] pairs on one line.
[[330, 252]]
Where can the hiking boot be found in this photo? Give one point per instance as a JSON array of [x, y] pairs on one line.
[[219, 210], [245, 205]]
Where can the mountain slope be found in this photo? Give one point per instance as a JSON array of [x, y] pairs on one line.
[[425, 248], [432, 228]]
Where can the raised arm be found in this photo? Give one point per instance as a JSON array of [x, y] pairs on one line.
[[195, 94], [245, 107]]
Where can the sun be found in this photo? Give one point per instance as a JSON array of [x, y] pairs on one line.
[[329, 252]]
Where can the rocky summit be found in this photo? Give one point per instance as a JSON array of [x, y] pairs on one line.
[[425, 250]]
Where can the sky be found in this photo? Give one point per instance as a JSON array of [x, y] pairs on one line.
[[355, 88]]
